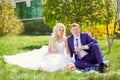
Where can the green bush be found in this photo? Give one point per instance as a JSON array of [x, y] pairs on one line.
[[9, 22], [36, 27]]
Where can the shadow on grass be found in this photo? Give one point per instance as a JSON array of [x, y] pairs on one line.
[[31, 47], [34, 34]]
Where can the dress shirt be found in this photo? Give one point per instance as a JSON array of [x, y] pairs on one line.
[[82, 53]]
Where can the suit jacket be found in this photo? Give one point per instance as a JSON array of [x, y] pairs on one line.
[[86, 39]]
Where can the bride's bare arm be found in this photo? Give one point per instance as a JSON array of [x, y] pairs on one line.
[[50, 46], [67, 48]]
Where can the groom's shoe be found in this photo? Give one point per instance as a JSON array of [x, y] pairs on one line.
[[102, 68]]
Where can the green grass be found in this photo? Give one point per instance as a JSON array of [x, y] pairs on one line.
[[10, 45]]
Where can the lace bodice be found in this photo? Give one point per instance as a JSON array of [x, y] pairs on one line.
[[61, 47]]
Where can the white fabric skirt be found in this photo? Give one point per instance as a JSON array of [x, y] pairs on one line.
[[39, 59]]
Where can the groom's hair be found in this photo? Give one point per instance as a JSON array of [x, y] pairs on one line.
[[74, 25]]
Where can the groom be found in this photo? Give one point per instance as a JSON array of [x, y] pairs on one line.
[[85, 50]]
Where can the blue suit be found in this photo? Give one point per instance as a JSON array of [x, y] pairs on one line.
[[94, 55]]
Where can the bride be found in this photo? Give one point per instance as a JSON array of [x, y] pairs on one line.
[[49, 58]]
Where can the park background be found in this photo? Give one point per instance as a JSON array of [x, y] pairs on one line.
[[27, 24]]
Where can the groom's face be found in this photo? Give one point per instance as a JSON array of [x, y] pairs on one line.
[[75, 30]]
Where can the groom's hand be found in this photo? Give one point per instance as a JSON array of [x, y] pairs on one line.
[[78, 49]]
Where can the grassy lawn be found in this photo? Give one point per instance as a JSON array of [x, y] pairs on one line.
[[10, 45]]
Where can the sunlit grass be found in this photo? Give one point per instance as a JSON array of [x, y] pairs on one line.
[[10, 45]]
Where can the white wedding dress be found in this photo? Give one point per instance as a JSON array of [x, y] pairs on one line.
[[41, 59]]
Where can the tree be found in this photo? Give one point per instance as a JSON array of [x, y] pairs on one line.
[[84, 12], [9, 23], [114, 19]]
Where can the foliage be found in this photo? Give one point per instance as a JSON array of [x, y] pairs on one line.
[[18, 44], [84, 12], [36, 27], [108, 20], [9, 23], [99, 31]]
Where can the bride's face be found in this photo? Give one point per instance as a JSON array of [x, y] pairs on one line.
[[60, 31]]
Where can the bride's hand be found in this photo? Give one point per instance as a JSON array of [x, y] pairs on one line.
[[56, 51]]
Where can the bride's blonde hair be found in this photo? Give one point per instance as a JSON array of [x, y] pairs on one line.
[[56, 28], [55, 35]]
